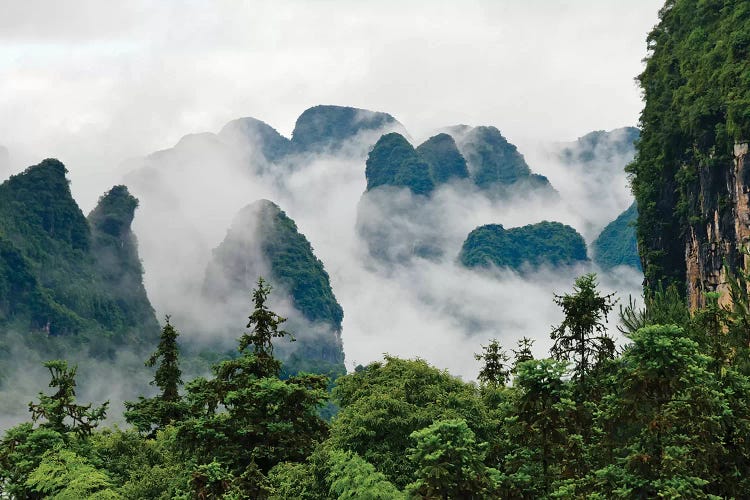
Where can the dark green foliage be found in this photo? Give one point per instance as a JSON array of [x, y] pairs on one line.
[[59, 410], [617, 245], [446, 162], [549, 243], [696, 87], [37, 208], [450, 463], [667, 411], [326, 128], [247, 420], [542, 410], [495, 371], [393, 161], [582, 337], [383, 404], [60, 274]]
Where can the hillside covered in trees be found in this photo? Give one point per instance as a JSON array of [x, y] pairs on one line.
[[549, 243], [66, 275], [630, 397], [665, 415]]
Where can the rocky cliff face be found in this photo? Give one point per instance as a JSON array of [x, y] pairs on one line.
[[718, 236], [689, 175]]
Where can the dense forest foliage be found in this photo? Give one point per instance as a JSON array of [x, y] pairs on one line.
[[63, 274], [665, 415], [617, 245], [550, 243], [696, 88]]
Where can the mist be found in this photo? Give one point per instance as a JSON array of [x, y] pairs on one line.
[[113, 84], [413, 307]]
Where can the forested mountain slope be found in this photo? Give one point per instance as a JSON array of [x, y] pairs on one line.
[[690, 175], [56, 267]]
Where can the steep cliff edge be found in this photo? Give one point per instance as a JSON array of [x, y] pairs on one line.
[[690, 174]]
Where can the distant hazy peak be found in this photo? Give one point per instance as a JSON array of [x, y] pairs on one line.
[[445, 160], [259, 134], [601, 145], [325, 127]]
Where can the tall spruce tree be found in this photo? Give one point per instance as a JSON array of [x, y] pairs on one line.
[[60, 410], [246, 419], [495, 371], [151, 414], [582, 336]]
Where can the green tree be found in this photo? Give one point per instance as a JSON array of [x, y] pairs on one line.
[[450, 463], [538, 429], [382, 404], [522, 352], [248, 420], [60, 410], [64, 424], [666, 418], [495, 371], [582, 336], [152, 414]]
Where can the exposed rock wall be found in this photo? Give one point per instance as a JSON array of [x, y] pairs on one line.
[[722, 198]]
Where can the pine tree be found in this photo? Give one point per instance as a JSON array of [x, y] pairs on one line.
[[495, 371], [60, 410], [151, 414], [582, 336], [246, 419]]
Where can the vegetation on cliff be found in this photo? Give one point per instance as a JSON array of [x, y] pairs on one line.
[[445, 160], [326, 128], [62, 274], [550, 243], [393, 161], [696, 88]]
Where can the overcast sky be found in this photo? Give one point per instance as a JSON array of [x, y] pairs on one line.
[[93, 82]]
